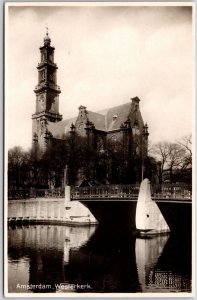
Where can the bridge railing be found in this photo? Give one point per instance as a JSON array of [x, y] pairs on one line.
[[18, 194], [35, 193], [131, 191], [172, 191], [158, 191], [105, 191]]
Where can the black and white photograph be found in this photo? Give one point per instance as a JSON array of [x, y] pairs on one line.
[[99, 128]]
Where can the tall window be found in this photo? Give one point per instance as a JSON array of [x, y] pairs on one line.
[[42, 75]]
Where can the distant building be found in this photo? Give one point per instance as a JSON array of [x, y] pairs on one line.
[[178, 176]]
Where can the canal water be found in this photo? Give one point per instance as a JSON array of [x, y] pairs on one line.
[[61, 259]]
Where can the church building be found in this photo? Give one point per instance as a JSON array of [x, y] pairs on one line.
[[120, 123]]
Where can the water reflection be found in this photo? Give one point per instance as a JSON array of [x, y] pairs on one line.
[[148, 251], [93, 259], [173, 268], [45, 248], [106, 262]]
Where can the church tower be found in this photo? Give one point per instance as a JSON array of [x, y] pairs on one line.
[[47, 96]]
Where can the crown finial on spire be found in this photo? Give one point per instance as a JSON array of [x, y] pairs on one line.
[[47, 39]]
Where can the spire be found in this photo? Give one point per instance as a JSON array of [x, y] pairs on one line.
[[47, 39]]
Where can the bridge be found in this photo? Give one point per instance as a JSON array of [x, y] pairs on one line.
[[116, 204]]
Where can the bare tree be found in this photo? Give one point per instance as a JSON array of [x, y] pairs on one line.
[[161, 152], [175, 157], [186, 143]]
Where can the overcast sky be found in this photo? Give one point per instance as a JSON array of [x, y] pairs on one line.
[[105, 56]]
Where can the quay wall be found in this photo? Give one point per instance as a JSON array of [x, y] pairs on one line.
[[50, 210], [37, 209]]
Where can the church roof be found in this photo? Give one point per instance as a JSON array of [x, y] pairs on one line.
[[59, 128], [117, 115], [97, 119], [63, 127], [105, 120]]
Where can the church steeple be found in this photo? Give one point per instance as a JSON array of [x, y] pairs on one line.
[[47, 91]]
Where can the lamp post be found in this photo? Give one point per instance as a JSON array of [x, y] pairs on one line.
[[142, 175]]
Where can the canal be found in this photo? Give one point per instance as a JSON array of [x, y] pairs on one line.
[[62, 259]]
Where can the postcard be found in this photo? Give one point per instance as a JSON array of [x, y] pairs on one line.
[[99, 118]]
